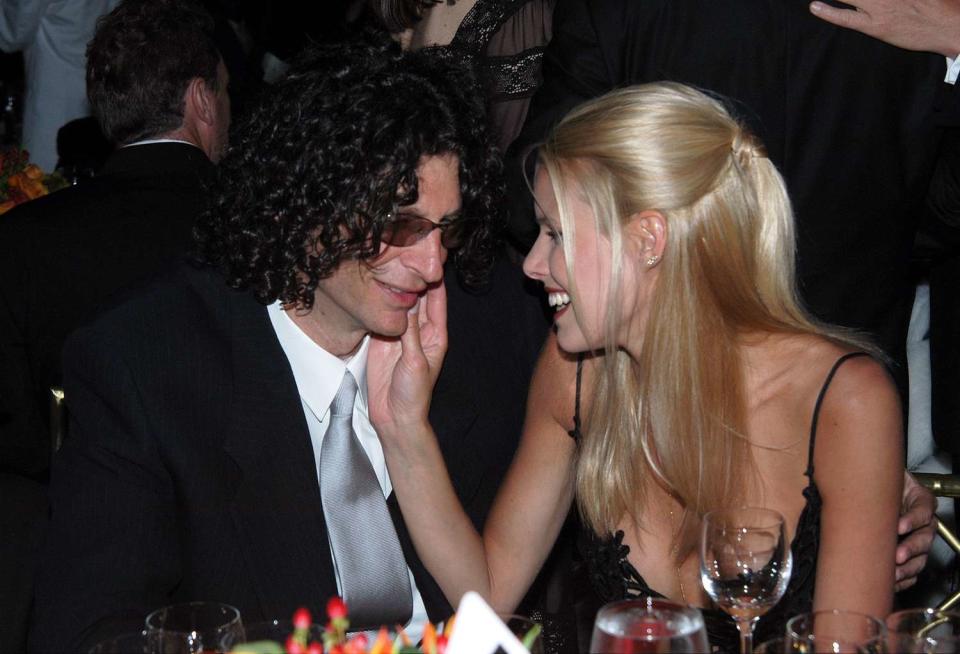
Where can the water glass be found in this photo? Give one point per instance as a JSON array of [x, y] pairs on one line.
[[924, 631], [194, 628], [648, 626], [836, 631], [745, 564]]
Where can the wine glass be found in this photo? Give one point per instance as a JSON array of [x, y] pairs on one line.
[[924, 631], [648, 625], [836, 631], [194, 628], [745, 564]]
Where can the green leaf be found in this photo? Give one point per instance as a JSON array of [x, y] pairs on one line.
[[259, 647], [531, 636]]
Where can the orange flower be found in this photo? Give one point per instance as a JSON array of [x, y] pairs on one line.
[[32, 171], [382, 644], [32, 187], [7, 206]]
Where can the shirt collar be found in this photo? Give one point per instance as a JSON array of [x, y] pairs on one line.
[[152, 141], [318, 373]]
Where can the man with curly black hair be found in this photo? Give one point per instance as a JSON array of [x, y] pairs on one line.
[[217, 416]]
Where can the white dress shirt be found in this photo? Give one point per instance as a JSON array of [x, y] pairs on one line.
[[318, 375]]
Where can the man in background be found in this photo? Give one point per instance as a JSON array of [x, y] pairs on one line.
[[158, 87]]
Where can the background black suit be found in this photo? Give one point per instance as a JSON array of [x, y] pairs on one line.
[[60, 257], [847, 119], [189, 473]]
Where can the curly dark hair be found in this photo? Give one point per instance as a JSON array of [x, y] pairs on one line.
[[315, 171], [141, 60]]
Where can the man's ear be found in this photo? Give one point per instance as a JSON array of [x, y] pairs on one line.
[[201, 101], [646, 232]]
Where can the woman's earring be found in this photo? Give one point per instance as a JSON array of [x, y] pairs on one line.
[[652, 261]]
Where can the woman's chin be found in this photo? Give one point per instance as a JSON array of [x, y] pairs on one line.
[[572, 341]]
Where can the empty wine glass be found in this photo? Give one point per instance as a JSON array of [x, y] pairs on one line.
[[745, 564], [194, 628], [924, 631], [648, 626], [836, 631]]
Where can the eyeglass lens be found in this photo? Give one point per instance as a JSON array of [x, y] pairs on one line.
[[404, 232]]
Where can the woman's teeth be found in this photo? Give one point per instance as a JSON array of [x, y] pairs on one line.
[[558, 299]]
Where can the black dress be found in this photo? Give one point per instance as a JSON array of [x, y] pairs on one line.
[[508, 38], [614, 578]]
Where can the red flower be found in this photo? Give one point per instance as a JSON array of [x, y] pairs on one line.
[[336, 608], [360, 641], [315, 648], [294, 646], [441, 644], [302, 619]]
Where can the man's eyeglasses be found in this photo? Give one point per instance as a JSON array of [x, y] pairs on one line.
[[405, 230]]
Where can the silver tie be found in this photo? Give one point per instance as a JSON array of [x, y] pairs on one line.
[[373, 572]]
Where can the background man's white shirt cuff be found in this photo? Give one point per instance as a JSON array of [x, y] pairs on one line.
[[953, 70]]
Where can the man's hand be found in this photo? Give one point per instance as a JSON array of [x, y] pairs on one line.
[[919, 526], [401, 371], [922, 25]]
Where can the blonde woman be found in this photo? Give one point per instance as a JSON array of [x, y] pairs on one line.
[[666, 243]]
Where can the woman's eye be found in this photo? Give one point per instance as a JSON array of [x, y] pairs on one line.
[[554, 235]]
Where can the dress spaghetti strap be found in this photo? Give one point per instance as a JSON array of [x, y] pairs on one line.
[[816, 407], [575, 432]]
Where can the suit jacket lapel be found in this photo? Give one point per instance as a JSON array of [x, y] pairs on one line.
[[277, 507]]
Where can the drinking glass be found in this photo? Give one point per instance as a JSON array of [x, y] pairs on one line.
[[924, 631], [836, 631], [745, 564], [648, 626], [133, 643], [195, 628]]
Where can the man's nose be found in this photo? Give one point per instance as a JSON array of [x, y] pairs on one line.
[[427, 256]]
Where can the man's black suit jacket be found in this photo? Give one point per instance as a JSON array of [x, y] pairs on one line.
[[848, 120], [63, 255], [189, 472]]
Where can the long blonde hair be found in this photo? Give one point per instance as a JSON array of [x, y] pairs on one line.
[[676, 414]]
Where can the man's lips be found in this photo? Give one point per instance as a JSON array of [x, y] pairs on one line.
[[405, 298]]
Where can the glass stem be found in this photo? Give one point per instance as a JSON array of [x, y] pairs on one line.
[[745, 627]]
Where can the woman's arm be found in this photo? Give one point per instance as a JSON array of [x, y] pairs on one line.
[[529, 510], [858, 459]]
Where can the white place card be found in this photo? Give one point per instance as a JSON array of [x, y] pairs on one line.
[[479, 630]]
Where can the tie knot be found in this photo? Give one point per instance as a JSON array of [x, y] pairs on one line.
[[342, 404]]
